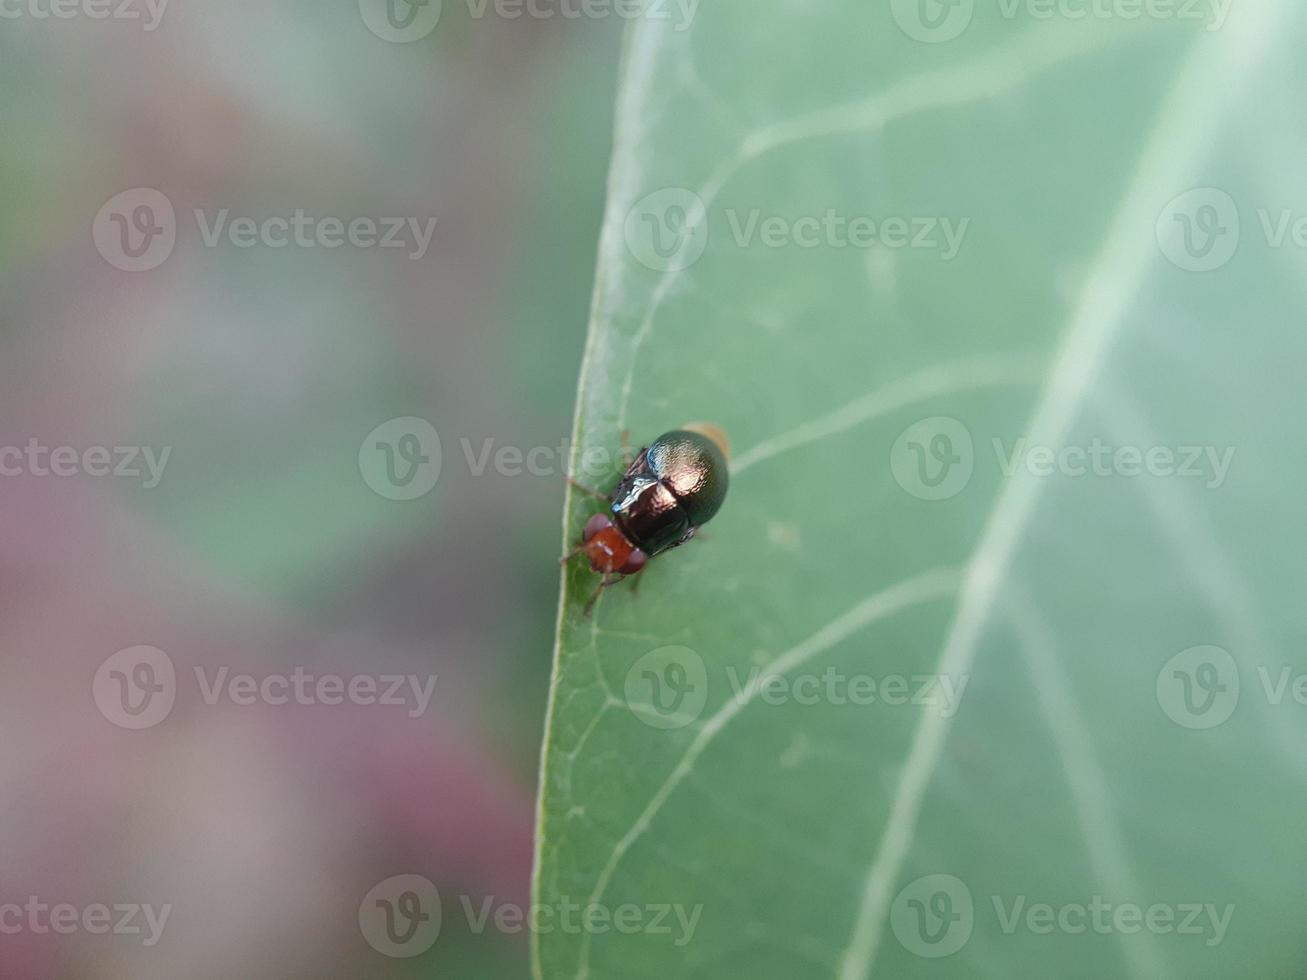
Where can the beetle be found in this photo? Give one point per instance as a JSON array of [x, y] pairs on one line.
[[672, 488]]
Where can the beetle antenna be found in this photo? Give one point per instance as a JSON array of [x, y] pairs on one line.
[[590, 490]]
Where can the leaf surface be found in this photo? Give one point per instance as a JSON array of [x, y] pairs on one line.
[[1034, 471]]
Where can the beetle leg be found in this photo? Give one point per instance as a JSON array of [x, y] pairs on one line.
[[604, 583], [689, 535], [589, 606], [638, 577], [590, 490]]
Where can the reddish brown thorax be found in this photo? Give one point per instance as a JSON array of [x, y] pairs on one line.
[[609, 550]]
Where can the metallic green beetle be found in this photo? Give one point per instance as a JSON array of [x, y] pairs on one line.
[[671, 489]]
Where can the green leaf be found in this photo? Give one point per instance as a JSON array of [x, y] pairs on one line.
[[962, 475]]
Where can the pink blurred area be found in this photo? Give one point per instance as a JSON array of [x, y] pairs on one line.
[[264, 826]]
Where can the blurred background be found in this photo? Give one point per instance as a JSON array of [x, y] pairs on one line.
[[224, 506]]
